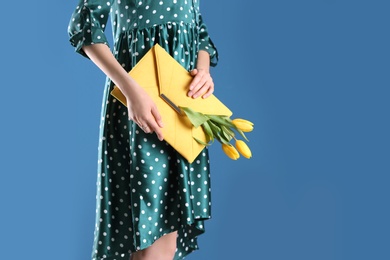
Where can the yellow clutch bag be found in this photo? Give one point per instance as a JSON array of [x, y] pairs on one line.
[[167, 83]]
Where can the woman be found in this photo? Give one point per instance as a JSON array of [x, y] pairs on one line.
[[151, 203]]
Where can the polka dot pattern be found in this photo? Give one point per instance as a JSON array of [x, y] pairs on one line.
[[89, 20], [145, 189]]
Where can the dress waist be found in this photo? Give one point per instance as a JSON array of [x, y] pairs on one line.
[[150, 14], [169, 29]]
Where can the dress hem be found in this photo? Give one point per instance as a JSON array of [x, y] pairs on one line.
[[126, 255]]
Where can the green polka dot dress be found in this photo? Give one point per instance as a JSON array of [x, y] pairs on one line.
[[145, 189]]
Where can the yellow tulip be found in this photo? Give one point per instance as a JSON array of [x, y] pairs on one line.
[[243, 148], [243, 125], [230, 151]]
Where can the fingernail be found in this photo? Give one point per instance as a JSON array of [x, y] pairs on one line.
[[190, 93]]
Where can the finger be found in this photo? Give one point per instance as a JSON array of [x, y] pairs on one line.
[[195, 81], [209, 91], [194, 72], [144, 126], [193, 84], [155, 123], [154, 127], [200, 89], [146, 129], [157, 116], [138, 122], [200, 83]]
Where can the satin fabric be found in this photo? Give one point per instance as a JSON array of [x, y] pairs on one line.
[[145, 189]]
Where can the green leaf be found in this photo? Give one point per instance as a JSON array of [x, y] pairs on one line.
[[222, 139], [201, 142], [227, 133], [207, 129], [215, 128], [242, 134], [227, 118], [219, 133], [221, 120], [196, 118]]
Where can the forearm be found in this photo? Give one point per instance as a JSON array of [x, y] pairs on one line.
[[141, 108], [101, 55], [203, 62]]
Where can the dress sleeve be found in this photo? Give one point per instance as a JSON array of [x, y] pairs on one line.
[[88, 23], [206, 44]]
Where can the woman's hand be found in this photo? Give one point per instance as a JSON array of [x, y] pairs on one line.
[[143, 111], [202, 83], [141, 108]]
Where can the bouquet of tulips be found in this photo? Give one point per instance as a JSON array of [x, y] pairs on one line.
[[222, 129]]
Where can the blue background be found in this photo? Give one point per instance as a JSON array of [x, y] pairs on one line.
[[312, 75]]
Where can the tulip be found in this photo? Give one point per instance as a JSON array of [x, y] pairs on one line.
[[230, 151], [243, 148], [243, 125]]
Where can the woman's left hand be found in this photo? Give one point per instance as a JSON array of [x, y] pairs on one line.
[[202, 84]]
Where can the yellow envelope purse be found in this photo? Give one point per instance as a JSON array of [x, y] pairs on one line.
[[167, 83]]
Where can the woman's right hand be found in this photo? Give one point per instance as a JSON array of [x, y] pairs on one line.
[[141, 108], [143, 111]]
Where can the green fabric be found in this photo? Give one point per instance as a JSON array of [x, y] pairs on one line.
[[145, 189]]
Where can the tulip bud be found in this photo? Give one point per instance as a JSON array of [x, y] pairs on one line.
[[243, 148], [230, 151], [243, 125]]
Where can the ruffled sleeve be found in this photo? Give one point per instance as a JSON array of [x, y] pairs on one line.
[[206, 44], [88, 23]]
